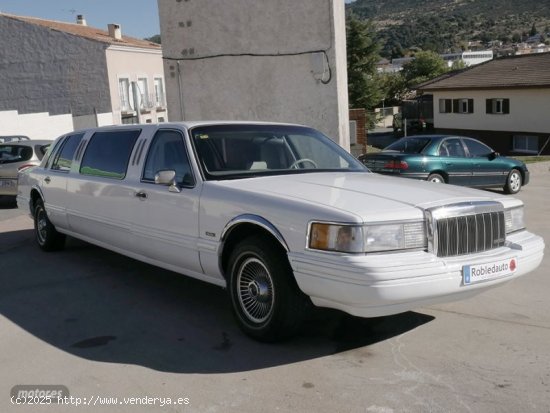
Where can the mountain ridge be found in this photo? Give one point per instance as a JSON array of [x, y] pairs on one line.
[[449, 25]]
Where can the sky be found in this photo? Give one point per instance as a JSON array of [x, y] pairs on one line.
[[138, 18]]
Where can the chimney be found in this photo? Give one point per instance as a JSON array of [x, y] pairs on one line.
[[114, 31], [81, 20]]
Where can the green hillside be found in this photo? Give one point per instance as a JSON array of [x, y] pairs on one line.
[[448, 25]]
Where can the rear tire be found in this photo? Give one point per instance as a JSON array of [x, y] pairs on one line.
[[266, 301], [513, 182], [47, 237], [436, 178]]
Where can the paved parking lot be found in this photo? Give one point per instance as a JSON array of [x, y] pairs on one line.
[[107, 326]]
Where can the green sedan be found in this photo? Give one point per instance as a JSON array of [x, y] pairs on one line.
[[449, 159]]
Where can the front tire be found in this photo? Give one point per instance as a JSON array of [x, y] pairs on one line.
[[265, 298], [47, 237], [513, 182]]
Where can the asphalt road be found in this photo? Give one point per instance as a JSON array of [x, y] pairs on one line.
[[107, 326]]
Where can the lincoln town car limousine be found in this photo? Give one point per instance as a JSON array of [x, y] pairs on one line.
[[279, 215]]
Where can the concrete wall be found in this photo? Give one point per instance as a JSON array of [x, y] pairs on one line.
[[257, 60], [94, 120], [528, 111], [43, 70], [134, 63], [35, 125]]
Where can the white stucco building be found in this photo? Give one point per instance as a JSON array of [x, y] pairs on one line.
[[504, 102], [57, 77]]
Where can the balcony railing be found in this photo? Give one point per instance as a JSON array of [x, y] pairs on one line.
[[147, 104]]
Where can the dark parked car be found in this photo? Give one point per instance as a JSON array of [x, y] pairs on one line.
[[450, 159]]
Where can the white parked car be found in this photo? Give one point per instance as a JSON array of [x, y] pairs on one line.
[[15, 156], [279, 215]]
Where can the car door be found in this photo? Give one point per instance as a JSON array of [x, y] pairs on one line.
[[100, 196], [166, 218], [455, 162], [489, 170], [54, 179]]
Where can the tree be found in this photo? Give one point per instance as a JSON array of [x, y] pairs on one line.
[[363, 54], [533, 30], [458, 65], [393, 87], [425, 66], [154, 39]]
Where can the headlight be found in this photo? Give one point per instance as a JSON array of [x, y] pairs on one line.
[[513, 218], [386, 237], [367, 238]]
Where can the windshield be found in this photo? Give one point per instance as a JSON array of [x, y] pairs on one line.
[[237, 151], [408, 145], [14, 153]]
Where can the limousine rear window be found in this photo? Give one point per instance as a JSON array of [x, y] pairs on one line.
[[108, 153]]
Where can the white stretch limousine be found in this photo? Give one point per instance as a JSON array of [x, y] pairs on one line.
[[278, 214]]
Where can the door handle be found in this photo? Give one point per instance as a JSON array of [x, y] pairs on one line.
[[141, 195], [47, 179]]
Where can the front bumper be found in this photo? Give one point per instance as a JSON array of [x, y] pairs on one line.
[[384, 284]]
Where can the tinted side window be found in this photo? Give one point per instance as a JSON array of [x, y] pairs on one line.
[[452, 147], [477, 148], [41, 151], [64, 157], [108, 153], [168, 152]]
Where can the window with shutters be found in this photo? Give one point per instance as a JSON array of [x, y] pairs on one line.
[[463, 106], [497, 106], [445, 105]]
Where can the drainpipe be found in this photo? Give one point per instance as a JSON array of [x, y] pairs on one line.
[[182, 109]]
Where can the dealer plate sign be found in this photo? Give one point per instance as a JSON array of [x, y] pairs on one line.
[[472, 274]]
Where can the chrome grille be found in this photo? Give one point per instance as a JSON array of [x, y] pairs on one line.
[[467, 229]]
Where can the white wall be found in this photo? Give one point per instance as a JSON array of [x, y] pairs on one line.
[[257, 60], [133, 63], [94, 120], [529, 111], [35, 125]]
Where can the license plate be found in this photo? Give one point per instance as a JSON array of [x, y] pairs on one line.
[[6, 184], [472, 274]]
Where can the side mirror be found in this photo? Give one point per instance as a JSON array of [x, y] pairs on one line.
[[493, 155], [167, 177]]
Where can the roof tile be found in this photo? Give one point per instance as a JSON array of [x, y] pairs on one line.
[[87, 32], [531, 70]]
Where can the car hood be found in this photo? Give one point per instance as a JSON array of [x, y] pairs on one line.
[[363, 194]]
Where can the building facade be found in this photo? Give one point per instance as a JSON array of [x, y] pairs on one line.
[[503, 102], [272, 61], [58, 77]]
